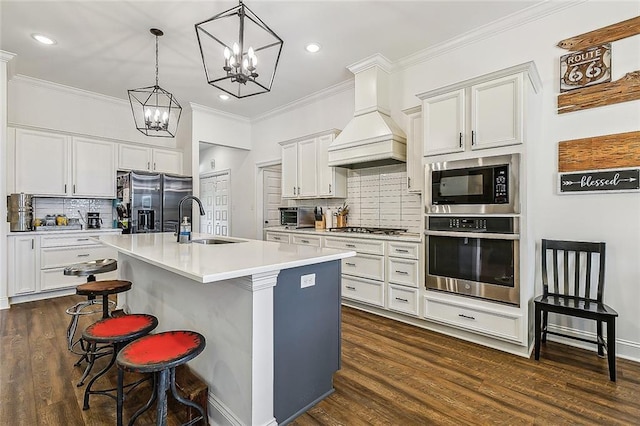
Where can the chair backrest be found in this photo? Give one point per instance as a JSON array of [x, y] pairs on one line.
[[577, 257]]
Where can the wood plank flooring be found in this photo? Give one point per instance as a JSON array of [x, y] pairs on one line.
[[392, 374]]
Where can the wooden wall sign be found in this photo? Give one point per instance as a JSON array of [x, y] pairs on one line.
[[600, 152], [600, 181], [585, 67]]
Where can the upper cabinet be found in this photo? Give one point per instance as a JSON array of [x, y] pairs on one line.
[[415, 178], [484, 112], [51, 164], [305, 170], [134, 157]]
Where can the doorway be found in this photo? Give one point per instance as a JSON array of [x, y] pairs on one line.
[[215, 192], [269, 198]]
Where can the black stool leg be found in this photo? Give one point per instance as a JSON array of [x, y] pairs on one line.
[[149, 403], [172, 378], [87, 391], [105, 306], [161, 388], [119, 397]]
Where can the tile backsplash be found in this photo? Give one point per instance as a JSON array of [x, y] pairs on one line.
[[74, 207]]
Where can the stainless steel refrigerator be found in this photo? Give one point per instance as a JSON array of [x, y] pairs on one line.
[[148, 202]]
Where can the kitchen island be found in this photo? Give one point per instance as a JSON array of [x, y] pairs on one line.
[[270, 313]]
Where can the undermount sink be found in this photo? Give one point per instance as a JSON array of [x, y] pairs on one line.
[[213, 241]]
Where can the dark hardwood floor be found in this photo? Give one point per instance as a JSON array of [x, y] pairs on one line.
[[392, 374]]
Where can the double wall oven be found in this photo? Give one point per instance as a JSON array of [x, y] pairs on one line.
[[473, 229]]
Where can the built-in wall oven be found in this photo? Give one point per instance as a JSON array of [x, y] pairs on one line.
[[485, 185], [475, 256]]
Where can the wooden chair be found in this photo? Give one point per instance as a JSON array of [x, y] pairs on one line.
[[575, 296]]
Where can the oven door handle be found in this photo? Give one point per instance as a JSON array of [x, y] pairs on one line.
[[482, 235]]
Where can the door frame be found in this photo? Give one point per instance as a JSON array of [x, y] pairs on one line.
[[260, 166], [220, 173]]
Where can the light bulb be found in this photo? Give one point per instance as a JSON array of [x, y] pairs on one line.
[[245, 63], [165, 117], [232, 61], [147, 114], [250, 52], [156, 117], [227, 53], [236, 48], [255, 61]]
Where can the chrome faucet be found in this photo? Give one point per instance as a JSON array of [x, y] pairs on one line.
[[188, 197]]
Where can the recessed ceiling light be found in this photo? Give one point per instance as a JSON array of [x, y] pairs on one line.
[[312, 47], [223, 96], [43, 39]]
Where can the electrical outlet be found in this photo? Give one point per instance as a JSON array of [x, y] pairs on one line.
[[307, 280]]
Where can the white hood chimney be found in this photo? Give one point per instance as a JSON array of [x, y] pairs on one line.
[[371, 138]]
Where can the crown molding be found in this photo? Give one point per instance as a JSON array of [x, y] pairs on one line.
[[32, 81], [6, 56], [299, 103], [530, 14], [223, 114], [377, 59]]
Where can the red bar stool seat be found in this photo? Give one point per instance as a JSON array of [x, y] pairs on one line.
[[160, 354], [116, 332]]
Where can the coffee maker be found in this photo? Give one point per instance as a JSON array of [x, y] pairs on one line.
[[93, 220], [20, 212]]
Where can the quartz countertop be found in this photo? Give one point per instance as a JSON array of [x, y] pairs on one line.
[[207, 263], [67, 231], [405, 236]]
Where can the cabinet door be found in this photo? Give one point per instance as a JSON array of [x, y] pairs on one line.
[[290, 170], [132, 157], [41, 163], [22, 265], [307, 168], [332, 181], [444, 123], [94, 168], [165, 161], [496, 112], [415, 178]]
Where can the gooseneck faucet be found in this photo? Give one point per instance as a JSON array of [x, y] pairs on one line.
[[188, 197]]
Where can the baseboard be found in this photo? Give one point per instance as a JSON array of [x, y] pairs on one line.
[[43, 295], [4, 303], [220, 414], [625, 349]]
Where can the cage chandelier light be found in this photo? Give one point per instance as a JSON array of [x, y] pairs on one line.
[[240, 53], [156, 112]]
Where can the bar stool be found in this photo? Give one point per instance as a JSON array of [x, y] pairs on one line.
[[116, 332], [159, 354], [92, 290]]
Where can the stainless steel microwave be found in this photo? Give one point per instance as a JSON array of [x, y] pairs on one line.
[[477, 185], [297, 217]]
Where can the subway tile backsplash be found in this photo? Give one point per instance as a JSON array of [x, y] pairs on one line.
[[74, 207]]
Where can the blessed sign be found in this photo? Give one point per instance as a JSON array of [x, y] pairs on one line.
[[585, 68], [610, 180]]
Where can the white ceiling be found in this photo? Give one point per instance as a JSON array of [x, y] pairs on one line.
[[106, 47]]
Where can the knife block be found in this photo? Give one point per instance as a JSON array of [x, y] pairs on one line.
[[320, 224]]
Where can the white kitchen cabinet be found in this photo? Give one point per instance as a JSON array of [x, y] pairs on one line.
[[307, 240], [22, 264], [415, 177], [484, 112], [278, 237], [41, 165], [305, 170], [134, 157], [94, 169]]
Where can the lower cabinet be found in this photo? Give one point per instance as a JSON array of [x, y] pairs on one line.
[[278, 237], [403, 299], [37, 262], [363, 290]]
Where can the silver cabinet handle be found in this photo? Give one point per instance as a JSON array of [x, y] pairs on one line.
[[74, 188], [148, 165], [402, 272], [329, 188], [33, 244], [350, 245], [402, 300], [460, 139], [349, 264], [276, 238], [402, 250], [294, 190], [82, 239], [408, 182], [473, 137], [83, 255], [466, 316], [350, 288], [304, 241], [154, 165], [298, 190], [65, 188]]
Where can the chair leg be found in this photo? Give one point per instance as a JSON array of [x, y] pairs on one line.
[[120, 397], [538, 331], [600, 339], [87, 390], [545, 318], [161, 405], [176, 395], [150, 402], [611, 348]]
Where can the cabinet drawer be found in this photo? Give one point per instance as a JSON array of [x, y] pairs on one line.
[[402, 271], [403, 299], [307, 240], [68, 240], [56, 257], [363, 290], [365, 266], [405, 250], [482, 321], [54, 279], [360, 246], [278, 237]]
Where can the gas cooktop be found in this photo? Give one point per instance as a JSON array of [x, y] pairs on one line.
[[368, 230]]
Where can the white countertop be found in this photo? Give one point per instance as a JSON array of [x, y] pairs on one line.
[[406, 236], [68, 231], [216, 262]]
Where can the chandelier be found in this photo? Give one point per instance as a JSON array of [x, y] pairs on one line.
[[230, 44], [156, 112]]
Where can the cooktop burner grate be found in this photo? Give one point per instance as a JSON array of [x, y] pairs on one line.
[[368, 230]]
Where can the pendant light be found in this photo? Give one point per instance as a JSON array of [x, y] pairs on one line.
[[156, 112], [240, 53]]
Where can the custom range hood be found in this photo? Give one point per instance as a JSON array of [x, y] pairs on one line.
[[371, 138]]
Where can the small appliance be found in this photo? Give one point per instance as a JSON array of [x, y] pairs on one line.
[[93, 220], [20, 212], [297, 217]]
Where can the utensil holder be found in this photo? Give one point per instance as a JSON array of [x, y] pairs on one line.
[[320, 224], [341, 221]]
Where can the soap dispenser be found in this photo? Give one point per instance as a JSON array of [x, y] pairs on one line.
[[185, 231]]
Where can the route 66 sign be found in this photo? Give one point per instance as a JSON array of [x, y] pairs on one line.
[[585, 68]]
